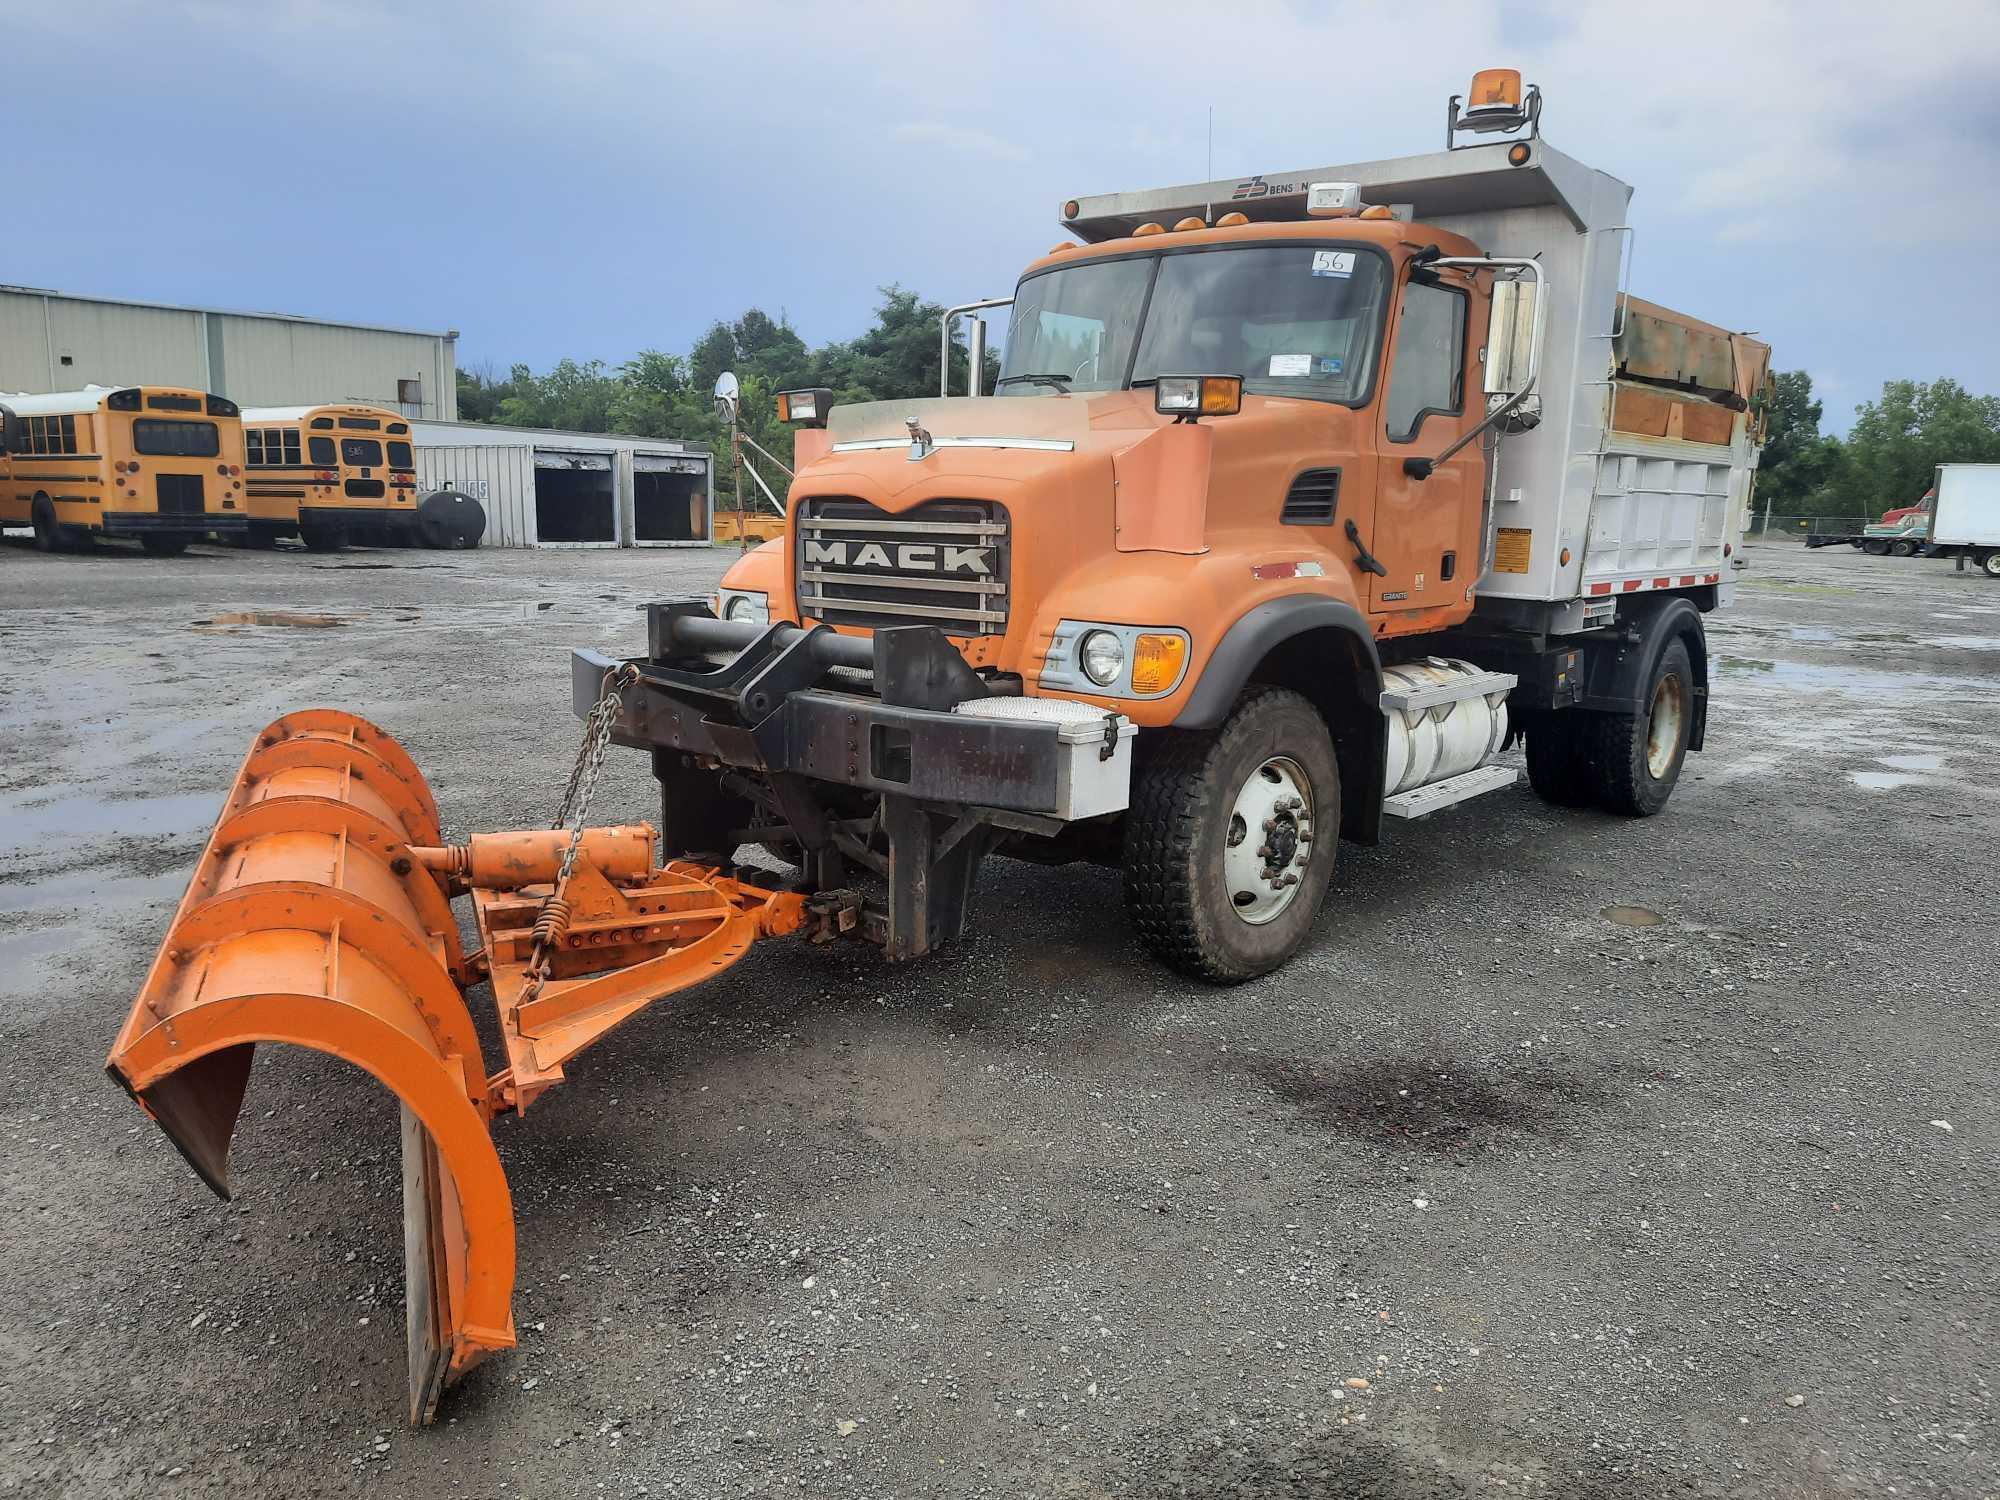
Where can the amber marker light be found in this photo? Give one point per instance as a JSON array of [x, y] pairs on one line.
[[1157, 660]]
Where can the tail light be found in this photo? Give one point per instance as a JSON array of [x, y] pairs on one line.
[[234, 470], [223, 470]]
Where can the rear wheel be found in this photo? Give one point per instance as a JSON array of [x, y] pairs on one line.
[[1990, 564], [165, 543], [1230, 838], [260, 538], [1636, 759], [1903, 549], [1875, 548], [323, 538], [49, 537]]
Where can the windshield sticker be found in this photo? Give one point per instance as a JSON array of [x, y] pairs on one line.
[[1329, 365], [1333, 263], [1291, 364]]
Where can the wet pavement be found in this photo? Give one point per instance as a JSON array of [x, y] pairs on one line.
[[1576, 1157]]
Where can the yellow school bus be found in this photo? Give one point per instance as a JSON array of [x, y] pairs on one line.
[[331, 474], [159, 463]]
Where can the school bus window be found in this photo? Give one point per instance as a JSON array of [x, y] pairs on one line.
[[399, 427], [163, 437], [399, 455], [321, 450], [361, 424], [253, 447], [323, 422], [291, 449], [364, 453]]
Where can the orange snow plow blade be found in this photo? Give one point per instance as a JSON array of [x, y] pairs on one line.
[[320, 915]]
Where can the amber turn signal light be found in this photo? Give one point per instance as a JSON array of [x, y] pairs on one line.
[[1157, 660], [807, 408], [1191, 396]]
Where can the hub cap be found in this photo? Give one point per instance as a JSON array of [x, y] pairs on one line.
[[1663, 730], [1269, 840]]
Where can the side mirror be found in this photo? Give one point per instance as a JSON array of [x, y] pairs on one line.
[[1513, 352]]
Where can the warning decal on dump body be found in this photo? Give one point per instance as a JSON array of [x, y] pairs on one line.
[[1510, 549]]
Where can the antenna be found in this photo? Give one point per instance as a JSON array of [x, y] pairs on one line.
[[1208, 208]]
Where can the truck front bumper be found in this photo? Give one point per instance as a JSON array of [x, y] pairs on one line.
[[770, 707]]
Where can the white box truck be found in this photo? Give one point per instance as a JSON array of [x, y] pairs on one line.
[[1965, 520]]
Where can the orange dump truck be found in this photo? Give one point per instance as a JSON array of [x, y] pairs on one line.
[[1297, 501]]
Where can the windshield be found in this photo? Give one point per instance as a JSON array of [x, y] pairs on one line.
[[1075, 325], [1292, 320]]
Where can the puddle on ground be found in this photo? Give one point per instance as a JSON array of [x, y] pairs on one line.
[[1632, 916], [32, 824], [283, 617], [1865, 682], [1884, 781], [1967, 642], [1912, 762], [108, 895]]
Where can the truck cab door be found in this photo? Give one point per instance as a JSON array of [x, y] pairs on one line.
[[1426, 531]]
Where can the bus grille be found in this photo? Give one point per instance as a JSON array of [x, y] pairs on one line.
[[943, 564], [179, 494]]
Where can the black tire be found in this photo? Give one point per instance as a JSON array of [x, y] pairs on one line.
[[1989, 564], [1903, 549], [1178, 830], [165, 543], [1558, 751], [1635, 774], [323, 538], [49, 536], [1874, 547], [260, 538]]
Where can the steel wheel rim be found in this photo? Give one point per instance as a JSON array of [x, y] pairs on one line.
[[1663, 726], [1268, 841], [1993, 564]]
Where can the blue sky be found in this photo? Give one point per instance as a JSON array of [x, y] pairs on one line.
[[595, 178]]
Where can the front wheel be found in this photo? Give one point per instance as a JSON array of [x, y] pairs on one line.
[[1230, 839]]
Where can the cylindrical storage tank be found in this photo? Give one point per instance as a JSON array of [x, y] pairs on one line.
[[1446, 739]]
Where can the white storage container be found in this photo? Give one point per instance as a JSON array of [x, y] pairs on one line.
[[1088, 782]]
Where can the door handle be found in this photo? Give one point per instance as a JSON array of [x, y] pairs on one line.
[[1364, 559]]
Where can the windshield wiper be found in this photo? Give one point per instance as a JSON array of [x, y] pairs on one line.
[[1143, 380], [1060, 382]]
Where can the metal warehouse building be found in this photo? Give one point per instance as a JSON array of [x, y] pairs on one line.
[[52, 341], [543, 488]]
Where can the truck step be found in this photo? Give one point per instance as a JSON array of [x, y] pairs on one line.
[[1472, 685], [1421, 800]]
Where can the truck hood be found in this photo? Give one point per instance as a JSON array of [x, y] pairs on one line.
[[1104, 421]]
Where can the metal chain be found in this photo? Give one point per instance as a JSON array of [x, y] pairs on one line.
[[583, 777]]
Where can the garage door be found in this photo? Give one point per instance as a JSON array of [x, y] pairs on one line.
[[669, 499], [576, 499]]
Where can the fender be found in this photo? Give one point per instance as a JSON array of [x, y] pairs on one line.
[[1255, 649], [1618, 670]]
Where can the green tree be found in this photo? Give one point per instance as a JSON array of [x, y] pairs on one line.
[[1798, 463], [1897, 441]]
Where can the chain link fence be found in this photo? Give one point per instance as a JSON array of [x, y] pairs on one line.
[[1795, 528]]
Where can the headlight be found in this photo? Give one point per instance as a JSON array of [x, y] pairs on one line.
[[1103, 657], [752, 609]]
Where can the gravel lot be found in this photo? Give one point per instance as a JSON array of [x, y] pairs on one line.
[[1490, 1193]]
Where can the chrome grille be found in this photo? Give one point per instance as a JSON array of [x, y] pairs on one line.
[[943, 564]]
